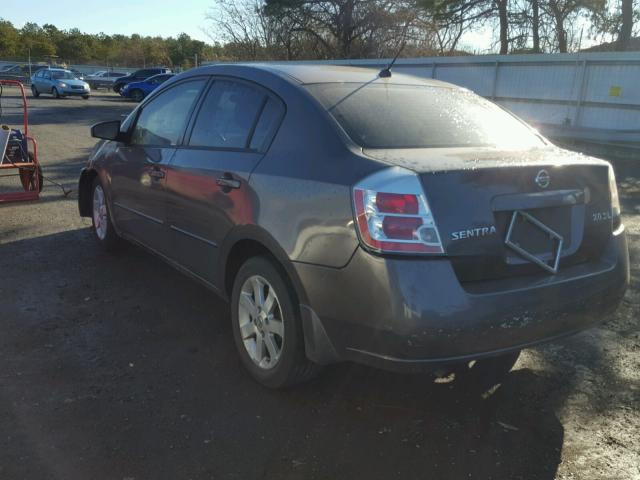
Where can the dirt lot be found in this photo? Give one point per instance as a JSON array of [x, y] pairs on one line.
[[118, 367]]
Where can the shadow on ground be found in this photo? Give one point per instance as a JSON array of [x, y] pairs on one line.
[[110, 375]]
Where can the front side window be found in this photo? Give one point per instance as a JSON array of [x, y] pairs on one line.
[[381, 115], [158, 79], [164, 119], [227, 116]]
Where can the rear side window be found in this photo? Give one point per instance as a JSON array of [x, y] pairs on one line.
[[227, 116], [267, 125], [380, 115], [164, 119]]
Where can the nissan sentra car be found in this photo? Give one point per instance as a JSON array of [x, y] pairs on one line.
[[393, 221]]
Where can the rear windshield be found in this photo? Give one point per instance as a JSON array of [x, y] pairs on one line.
[[377, 115]]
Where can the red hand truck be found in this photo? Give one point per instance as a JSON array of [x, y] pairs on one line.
[[16, 155]]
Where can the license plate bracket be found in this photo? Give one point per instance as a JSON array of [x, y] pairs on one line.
[[555, 239]]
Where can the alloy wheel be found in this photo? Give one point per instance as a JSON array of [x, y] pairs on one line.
[[261, 323], [100, 213]]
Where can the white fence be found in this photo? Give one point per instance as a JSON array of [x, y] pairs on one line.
[[584, 96], [590, 96]]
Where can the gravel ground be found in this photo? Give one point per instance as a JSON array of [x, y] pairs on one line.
[[118, 367]]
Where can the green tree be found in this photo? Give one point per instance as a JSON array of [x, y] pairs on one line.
[[33, 37], [9, 40]]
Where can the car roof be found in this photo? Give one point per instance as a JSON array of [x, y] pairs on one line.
[[304, 74]]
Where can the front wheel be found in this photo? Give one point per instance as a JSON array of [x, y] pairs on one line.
[[267, 328], [56, 93], [34, 91], [103, 228], [86, 97]]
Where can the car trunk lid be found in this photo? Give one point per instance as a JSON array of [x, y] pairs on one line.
[[509, 213]]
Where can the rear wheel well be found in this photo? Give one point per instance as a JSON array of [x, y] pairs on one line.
[[243, 251], [240, 253]]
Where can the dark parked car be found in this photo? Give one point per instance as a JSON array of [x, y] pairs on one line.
[[137, 76], [397, 222], [20, 70]]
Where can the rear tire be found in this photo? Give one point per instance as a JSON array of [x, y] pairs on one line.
[[103, 228], [273, 323]]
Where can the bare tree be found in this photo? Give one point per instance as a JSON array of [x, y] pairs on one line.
[[535, 25], [627, 24]]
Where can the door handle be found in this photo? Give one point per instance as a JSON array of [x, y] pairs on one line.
[[226, 181], [157, 173]]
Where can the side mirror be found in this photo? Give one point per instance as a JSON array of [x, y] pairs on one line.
[[107, 130]]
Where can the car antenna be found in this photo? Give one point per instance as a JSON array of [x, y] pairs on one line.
[[386, 72]]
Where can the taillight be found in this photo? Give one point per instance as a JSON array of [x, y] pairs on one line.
[[393, 216], [615, 200]]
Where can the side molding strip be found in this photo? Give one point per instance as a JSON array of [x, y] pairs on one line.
[[193, 235], [143, 215]]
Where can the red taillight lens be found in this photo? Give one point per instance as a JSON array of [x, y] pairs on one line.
[[392, 214], [397, 203]]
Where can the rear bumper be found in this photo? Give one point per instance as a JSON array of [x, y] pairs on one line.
[[401, 314]]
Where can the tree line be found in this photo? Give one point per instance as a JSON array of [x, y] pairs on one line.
[[325, 29], [317, 29], [75, 47]]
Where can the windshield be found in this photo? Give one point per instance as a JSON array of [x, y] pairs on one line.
[[62, 75], [379, 115]]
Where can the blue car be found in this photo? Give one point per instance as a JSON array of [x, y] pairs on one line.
[[59, 83], [139, 90]]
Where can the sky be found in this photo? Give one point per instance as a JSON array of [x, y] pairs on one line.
[[167, 18]]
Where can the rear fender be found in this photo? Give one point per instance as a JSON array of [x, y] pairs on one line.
[[318, 345]]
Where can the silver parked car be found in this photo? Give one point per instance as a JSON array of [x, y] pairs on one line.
[[103, 79], [59, 83]]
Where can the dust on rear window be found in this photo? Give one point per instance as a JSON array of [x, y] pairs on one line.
[[377, 115]]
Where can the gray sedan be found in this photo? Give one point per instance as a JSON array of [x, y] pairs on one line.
[[347, 215]]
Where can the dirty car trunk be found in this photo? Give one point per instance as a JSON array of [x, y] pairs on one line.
[[512, 213]]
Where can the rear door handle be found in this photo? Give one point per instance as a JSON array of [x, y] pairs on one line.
[[227, 181]]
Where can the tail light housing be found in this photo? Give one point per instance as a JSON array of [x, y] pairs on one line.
[[615, 199], [392, 214]]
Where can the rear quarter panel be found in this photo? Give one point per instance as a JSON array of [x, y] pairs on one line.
[[303, 184]]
